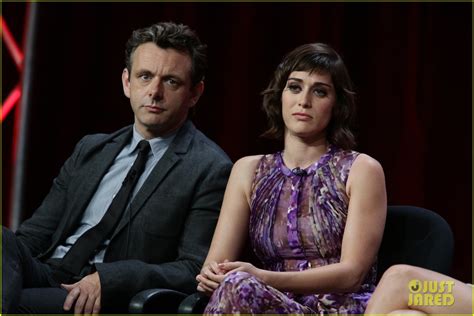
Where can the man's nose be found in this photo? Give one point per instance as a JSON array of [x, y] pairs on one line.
[[156, 90]]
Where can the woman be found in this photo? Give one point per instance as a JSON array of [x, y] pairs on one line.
[[314, 213], [406, 289]]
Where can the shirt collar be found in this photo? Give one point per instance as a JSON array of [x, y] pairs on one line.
[[156, 144]]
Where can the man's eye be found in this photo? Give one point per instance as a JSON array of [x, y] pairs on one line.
[[144, 77], [172, 82]]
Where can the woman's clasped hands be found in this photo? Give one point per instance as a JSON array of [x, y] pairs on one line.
[[213, 274]]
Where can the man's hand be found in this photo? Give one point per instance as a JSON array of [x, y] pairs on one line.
[[85, 294]]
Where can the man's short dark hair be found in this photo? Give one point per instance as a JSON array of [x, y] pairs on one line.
[[171, 35]]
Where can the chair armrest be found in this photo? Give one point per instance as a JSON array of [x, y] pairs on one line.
[[156, 301], [193, 304]]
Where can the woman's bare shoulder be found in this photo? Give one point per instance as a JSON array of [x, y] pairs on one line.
[[246, 166], [365, 170], [367, 164]]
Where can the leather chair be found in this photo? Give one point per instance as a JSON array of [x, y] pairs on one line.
[[412, 235], [416, 236], [163, 301]]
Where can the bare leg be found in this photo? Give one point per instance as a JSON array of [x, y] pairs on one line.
[[393, 293], [406, 312]]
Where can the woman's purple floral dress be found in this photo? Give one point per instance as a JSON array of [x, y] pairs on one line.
[[297, 223]]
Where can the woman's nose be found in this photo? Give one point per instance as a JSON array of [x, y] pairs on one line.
[[305, 100]]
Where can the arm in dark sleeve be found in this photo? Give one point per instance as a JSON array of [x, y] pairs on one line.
[[127, 277], [36, 232]]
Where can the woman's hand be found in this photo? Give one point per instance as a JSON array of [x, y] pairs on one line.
[[230, 267], [210, 278]]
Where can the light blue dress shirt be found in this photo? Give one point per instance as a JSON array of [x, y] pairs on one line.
[[110, 185]]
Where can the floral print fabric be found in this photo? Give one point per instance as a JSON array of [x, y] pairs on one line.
[[297, 223]]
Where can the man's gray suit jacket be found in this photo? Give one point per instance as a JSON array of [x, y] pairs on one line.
[[163, 238]]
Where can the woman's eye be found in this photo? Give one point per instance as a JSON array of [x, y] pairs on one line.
[[294, 88], [320, 92]]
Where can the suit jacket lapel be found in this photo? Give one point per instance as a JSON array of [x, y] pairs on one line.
[[171, 157], [93, 174]]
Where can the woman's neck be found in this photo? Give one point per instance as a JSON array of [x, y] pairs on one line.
[[302, 153]]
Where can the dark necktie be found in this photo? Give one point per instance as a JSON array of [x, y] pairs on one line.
[[79, 254]]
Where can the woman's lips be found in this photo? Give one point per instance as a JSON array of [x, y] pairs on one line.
[[302, 116]]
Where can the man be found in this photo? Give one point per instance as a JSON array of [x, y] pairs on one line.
[[107, 230]]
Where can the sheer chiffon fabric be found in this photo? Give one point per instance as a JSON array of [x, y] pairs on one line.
[[297, 223]]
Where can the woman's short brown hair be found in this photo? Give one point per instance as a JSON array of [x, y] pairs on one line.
[[315, 57]]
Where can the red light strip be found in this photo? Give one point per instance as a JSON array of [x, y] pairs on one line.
[[11, 44], [17, 56], [12, 99]]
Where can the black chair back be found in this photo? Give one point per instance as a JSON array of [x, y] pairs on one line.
[[416, 236]]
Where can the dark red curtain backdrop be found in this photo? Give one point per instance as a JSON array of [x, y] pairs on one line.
[[411, 64]]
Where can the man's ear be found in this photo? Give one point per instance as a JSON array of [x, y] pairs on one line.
[[126, 82], [196, 91]]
